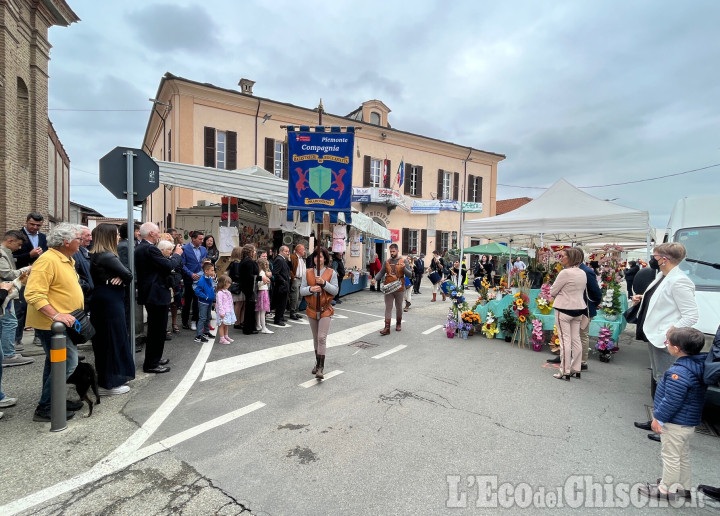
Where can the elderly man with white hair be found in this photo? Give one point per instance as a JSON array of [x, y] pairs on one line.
[[52, 293], [153, 270]]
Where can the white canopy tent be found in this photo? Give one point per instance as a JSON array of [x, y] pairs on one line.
[[252, 184], [563, 213]]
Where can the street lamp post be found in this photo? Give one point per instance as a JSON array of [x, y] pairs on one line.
[[462, 216]]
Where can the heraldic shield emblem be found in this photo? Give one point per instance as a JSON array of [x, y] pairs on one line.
[[320, 180]]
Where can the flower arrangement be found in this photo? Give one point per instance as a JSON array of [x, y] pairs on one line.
[[520, 307], [555, 340], [544, 300], [450, 325], [552, 273], [489, 328], [537, 337], [484, 287], [605, 345], [610, 303], [508, 323], [470, 317]]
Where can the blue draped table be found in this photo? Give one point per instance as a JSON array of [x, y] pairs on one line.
[[548, 321]]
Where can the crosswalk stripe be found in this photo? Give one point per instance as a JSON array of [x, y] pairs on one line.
[[315, 381], [391, 351]]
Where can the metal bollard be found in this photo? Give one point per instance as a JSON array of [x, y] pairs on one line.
[[58, 372]]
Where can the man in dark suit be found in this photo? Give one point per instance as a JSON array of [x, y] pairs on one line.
[[281, 277], [419, 271], [82, 265], [630, 277], [153, 277], [192, 257], [32, 248]]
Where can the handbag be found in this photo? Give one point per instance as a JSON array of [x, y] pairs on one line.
[[235, 288], [83, 330], [631, 314]]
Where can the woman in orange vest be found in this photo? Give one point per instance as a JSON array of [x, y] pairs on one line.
[[319, 287]]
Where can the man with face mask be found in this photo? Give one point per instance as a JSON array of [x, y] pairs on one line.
[[644, 277]]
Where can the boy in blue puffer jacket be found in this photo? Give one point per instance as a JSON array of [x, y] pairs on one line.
[[679, 400], [205, 292]]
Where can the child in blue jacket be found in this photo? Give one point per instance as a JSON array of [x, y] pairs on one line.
[[205, 292], [679, 400]]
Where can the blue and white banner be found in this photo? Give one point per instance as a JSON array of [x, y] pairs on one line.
[[320, 178], [429, 207], [361, 194]]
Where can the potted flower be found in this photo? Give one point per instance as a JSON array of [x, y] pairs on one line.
[[544, 300], [508, 323], [471, 319], [605, 345], [611, 303], [490, 326], [450, 326], [537, 337], [464, 328]]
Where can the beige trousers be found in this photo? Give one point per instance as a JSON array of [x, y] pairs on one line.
[[320, 330], [570, 347], [675, 453], [585, 342]]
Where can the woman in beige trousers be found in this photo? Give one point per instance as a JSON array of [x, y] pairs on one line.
[[570, 311]]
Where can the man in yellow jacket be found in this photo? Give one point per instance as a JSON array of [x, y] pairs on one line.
[[52, 293]]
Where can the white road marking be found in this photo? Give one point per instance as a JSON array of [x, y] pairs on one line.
[[391, 351], [315, 381], [298, 321], [263, 356], [338, 316], [142, 434], [122, 461], [434, 328], [361, 313]]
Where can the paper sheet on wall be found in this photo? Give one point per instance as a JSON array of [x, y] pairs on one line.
[[228, 239], [355, 245], [339, 234]]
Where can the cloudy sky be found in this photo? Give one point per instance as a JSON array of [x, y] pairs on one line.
[[599, 92]]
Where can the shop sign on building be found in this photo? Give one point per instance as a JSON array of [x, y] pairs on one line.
[[361, 194]]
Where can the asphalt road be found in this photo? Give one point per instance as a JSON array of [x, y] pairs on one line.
[[412, 423]]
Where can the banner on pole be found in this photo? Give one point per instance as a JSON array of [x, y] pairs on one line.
[[320, 175]]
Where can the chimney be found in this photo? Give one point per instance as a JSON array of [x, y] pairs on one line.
[[246, 86]]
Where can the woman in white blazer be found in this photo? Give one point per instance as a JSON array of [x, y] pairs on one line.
[[669, 301]]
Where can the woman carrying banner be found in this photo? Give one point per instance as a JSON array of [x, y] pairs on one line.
[[319, 287]]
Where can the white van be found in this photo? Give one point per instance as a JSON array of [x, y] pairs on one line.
[[695, 223]]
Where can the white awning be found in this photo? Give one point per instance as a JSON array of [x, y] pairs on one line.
[[251, 183]]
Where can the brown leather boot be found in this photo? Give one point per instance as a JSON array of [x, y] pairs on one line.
[[444, 296], [407, 306], [398, 324], [434, 298], [321, 365], [386, 329], [317, 364]]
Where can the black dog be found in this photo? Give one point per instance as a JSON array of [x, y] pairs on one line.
[[84, 378]]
